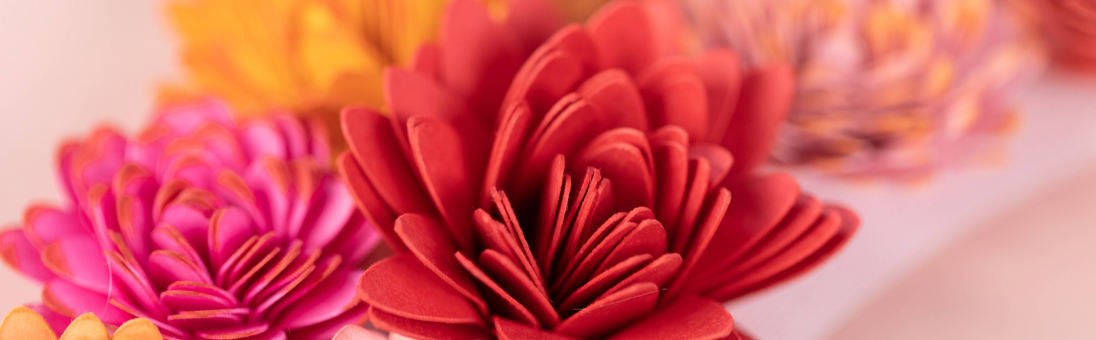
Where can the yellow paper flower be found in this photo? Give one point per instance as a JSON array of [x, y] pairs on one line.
[[22, 323]]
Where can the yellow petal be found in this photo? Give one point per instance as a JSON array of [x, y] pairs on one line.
[[86, 327], [138, 329], [22, 323]]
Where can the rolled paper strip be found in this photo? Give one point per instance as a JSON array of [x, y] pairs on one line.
[[577, 185], [208, 227], [23, 323], [884, 89]]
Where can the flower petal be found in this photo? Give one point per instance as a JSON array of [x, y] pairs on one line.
[[71, 300], [429, 241], [687, 318], [509, 330], [137, 329], [403, 286], [24, 324], [18, 252], [500, 300], [79, 260], [332, 297], [611, 312], [479, 56], [762, 107], [369, 203], [623, 35], [425, 330], [86, 327], [446, 164]]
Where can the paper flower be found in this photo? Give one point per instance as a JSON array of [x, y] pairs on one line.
[[210, 229], [885, 88], [1069, 29], [575, 185], [23, 323]]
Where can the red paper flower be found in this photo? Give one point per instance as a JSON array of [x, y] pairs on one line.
[[209, 229], [576, 186]]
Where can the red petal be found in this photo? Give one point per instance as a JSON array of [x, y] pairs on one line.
[[659, 272], [369, 203], [759, 205], [803, 215], [596, 257], [687, 318], [445, 165], [675, 95], [499, 299], [403, 286], [430, 242], [700, 240], [546, 76], [531, 22], [763, 105], [479, 57], [614, 95], [648, 238], [553, 209], [718, 158], [696, 191], [600, 284], [672, 168], [424, 330], [426, 61], [515, 282], [849, 224], [719, 70], [569, 125], [509, 330], [622, 32], [627, 166], [611, 312], [373, 143], [509, 139]]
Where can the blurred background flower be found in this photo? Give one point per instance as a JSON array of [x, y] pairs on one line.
[[26, 324], [885, 88], [208, 227], [1069, 28], [310, 57]]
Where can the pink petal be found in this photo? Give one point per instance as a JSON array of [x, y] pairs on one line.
[[20, 254], [78, 259], [71, 300], [335, 295]]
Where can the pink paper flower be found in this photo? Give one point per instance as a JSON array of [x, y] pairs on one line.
[[210, 228], [885, 88]]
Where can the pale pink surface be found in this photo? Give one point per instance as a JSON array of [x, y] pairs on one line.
[[1025, 274], [66, 66]]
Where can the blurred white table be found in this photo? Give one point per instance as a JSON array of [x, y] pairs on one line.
[[68, 65]]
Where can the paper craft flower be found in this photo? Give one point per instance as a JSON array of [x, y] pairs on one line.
[[209, 228], [885, 88], [1069, 28], [23, 323], [576, 185]]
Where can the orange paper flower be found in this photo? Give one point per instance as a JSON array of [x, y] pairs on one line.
[[23, 323]]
